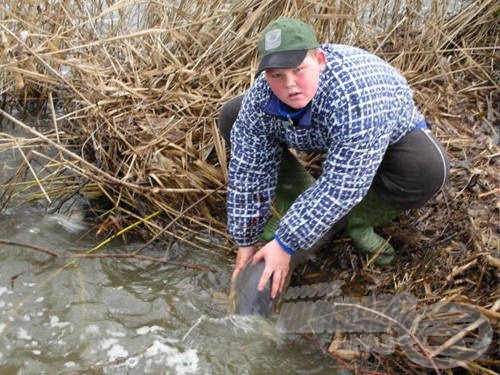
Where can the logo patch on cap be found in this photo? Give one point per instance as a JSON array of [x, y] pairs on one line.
[[272, 39]]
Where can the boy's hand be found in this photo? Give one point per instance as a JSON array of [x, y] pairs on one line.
[[242, 258], [277, 265]]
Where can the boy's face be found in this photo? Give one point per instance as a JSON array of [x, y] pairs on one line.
[[296, 87]]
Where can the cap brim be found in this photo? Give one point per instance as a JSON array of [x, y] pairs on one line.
[[281, 60]]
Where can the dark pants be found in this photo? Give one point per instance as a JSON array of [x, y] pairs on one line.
[[412, 171]]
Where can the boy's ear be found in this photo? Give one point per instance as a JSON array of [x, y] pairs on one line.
[[321, 58]]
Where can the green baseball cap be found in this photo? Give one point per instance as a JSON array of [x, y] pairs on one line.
[[284, 44]]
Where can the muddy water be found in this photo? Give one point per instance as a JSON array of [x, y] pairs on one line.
[[119, 316]]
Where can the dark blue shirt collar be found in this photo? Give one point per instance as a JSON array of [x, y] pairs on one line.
[[276, 107]]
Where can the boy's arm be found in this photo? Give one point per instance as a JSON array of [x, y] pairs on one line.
[[348, 171], [253, 171]]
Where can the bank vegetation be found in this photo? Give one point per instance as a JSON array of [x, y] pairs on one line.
[[116, 103]]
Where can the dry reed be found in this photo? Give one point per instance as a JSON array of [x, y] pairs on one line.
[[132, 91]]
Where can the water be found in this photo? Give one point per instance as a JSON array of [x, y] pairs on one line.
[[126, 316]]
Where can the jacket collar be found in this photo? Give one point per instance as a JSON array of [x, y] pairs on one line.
[[276, 107]]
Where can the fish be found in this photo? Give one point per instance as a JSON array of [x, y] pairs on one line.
[[245, 299]]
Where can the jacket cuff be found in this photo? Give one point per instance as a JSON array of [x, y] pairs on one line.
[[283, 246]]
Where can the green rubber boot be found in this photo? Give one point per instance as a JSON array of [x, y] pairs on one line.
[[293, 179], [369, 213]]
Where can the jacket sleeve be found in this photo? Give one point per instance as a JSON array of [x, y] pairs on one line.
[[348, 170], [253, 170]]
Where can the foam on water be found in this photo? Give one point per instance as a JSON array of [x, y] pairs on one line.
[[54, 322], [112, 348], [162, 353], [22, 334], [180, 362], [147, 330]]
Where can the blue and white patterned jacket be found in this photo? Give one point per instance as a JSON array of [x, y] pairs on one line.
[[362, 105]]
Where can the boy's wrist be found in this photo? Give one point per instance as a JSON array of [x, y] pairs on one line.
[[283, 246]]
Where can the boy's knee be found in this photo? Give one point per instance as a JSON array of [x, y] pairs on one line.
[[413, 172], [437, 168], [228, 115]]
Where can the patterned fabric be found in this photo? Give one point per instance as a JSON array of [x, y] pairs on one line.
[[362, 105]]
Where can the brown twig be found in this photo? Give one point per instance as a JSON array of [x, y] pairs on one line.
[[31, 246], [118, 256]]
